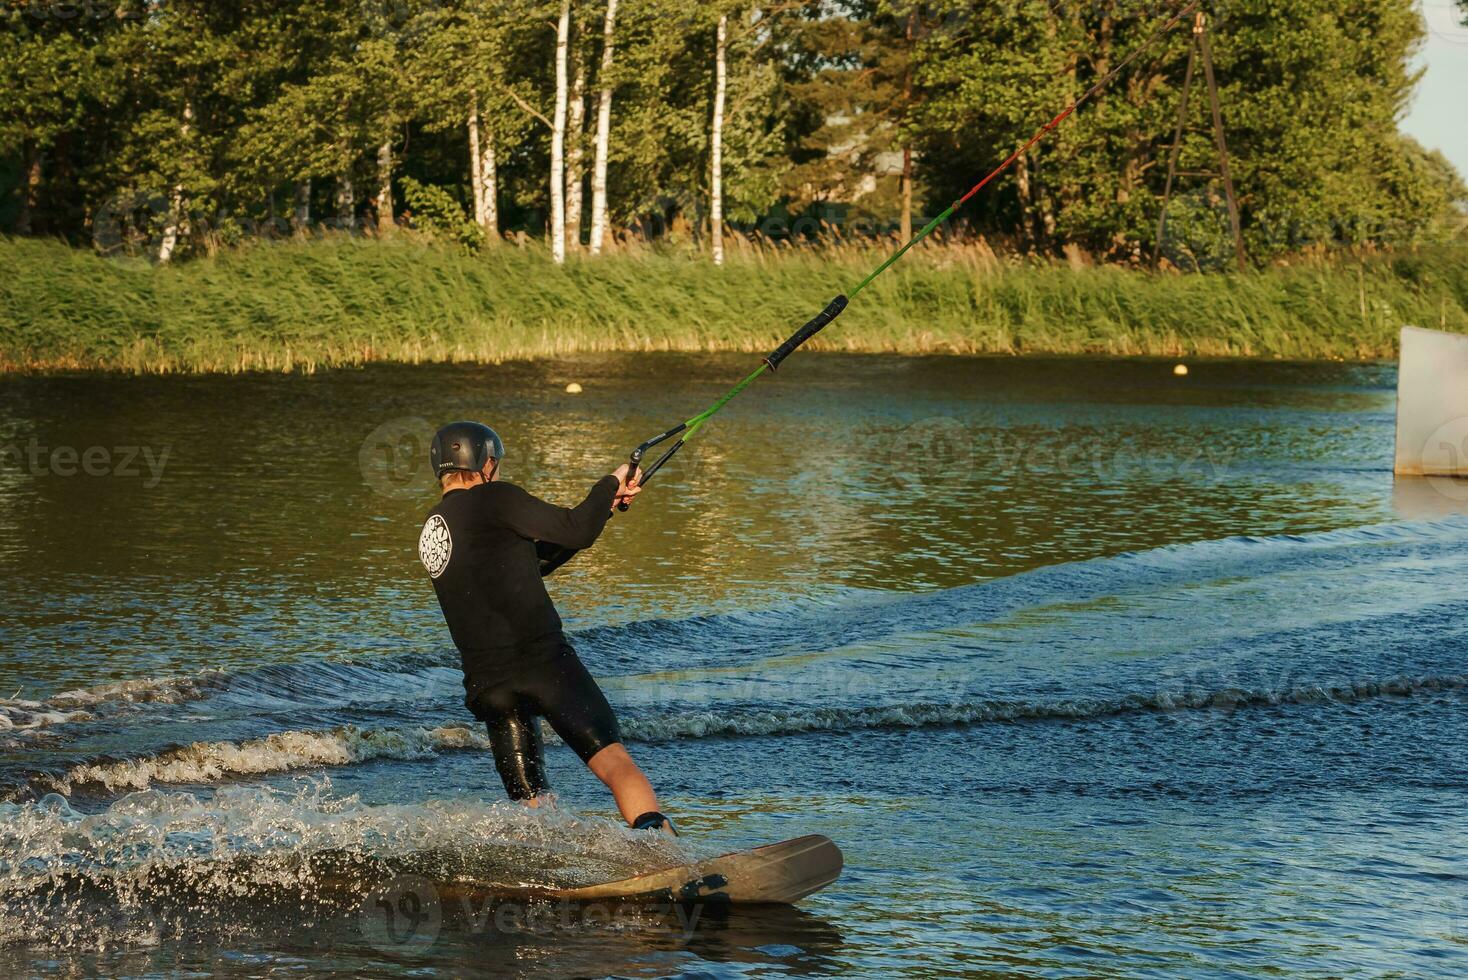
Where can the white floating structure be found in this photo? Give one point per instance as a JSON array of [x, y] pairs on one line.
[[1432, 404]]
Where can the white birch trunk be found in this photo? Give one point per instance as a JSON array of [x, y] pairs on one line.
[[31, 195], [906, 219], [476, 166], [575, 169], [302, 218], [174, 228], [385, 220], [603, 134], [490, 190], [346, 201], [558, 140], [484, 173], [716, 208]]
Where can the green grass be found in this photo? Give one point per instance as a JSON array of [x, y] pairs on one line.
[[338, 301]]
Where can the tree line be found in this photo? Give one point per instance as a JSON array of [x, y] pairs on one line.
[[176, 125]]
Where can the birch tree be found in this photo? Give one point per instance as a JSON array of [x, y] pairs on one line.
[[483, 172], [460, 68], [346, 200], [174, 221], [558, 139], [605, 84], [481, 60], [301, 218], [575, 148], [507, 66], [905, 218], [385, 219], [476, 160], [716, 142]]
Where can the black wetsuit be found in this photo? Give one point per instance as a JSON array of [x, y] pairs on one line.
[[487, 549]]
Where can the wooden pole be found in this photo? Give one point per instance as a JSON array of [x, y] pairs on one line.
[[1200, 29], [1177, 145]]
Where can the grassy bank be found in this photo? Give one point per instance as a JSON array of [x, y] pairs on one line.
[[305, 305]]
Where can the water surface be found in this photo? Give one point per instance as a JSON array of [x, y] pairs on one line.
[[1091, 669]]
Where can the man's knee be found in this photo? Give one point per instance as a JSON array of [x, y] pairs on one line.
[[612, 763]]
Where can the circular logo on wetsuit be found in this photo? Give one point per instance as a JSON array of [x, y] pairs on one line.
[[435, 546]]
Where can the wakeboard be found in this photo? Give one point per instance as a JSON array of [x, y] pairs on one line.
[[776, 874]]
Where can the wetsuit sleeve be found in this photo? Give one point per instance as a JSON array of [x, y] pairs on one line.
[[552, 557], [570, 527]]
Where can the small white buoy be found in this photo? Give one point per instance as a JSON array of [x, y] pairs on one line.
[[1181, 370], [573, 388]]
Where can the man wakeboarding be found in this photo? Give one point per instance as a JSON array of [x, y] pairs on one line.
[[487, 546]]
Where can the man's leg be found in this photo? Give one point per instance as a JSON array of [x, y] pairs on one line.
[[634, 794], [576, 708], [519, 753]]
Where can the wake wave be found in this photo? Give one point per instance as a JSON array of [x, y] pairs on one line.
[[859, 616], [213, 762], [842, 619], [152, 690], [1235, 623], [25, 716], [209, 762], [308, 683], [799, 720]]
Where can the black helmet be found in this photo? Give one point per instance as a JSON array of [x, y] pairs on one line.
[[466, 447]]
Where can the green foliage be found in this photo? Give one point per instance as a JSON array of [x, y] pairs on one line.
[[116, 117], [1310, 92], [1314, 90], [435, 210]]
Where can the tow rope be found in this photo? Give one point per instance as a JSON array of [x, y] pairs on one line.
[[688, 429]]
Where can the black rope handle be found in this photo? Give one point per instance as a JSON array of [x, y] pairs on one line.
[[816, 325], [635, 463]]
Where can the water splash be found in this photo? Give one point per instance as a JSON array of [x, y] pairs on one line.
[[162, 860]]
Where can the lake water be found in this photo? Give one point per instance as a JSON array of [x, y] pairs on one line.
[[1091, 670]]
